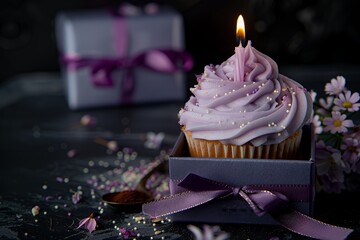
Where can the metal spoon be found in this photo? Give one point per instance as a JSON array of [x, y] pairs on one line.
[[132, 200]]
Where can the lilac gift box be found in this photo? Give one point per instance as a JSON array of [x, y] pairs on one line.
[[243, 172], [100, 34]]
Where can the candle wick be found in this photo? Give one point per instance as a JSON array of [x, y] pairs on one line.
[[241, 42]]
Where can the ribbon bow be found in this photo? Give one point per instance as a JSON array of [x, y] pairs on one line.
[[199, 190], [161, 60]]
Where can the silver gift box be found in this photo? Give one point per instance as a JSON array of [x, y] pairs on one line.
[[90, 33], [241, 172]]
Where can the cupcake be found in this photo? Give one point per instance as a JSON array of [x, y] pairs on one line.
[[244, 108]]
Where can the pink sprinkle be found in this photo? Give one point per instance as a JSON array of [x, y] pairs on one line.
[[59, 179], [112, 145], [71, 153], [88, 121], [48, 198]]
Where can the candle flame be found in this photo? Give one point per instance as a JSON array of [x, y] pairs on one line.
[[240, 28]]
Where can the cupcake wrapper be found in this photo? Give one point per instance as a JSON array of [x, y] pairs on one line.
[[286, 149]]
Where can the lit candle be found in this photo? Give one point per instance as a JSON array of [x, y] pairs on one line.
[[240, 51]]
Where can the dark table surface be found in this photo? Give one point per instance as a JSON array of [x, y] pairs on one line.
[[37, 131]]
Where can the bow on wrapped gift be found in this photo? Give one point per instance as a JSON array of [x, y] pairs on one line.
[[199, 190], [161, 60]]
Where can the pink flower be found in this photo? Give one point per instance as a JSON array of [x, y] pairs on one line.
[[317, 124], [352, 150], [313, 95], [336, 86], [337, 123], [347, 102], [325, 105], [88, 223], [330, 167]]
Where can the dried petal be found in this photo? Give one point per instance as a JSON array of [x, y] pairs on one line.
[[88, 223], [76, 197], [35, 210]]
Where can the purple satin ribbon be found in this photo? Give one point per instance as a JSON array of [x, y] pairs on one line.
[[161, 60], [199, 190]]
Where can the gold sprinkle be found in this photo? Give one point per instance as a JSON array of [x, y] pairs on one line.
[[139, 218], [157, 232], [156, 220]]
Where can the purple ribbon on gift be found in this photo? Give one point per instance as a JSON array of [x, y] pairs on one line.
[[161, 60], [199, 190]]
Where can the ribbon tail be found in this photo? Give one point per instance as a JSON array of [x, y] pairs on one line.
[[127, 87], [307, 226], [180, 202]]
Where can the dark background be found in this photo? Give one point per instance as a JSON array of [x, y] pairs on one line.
[[292, 32]]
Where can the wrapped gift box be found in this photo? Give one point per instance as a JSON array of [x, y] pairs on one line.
[[85, 38], [244, 172]]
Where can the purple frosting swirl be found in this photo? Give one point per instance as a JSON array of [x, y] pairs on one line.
[[265, 108]]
